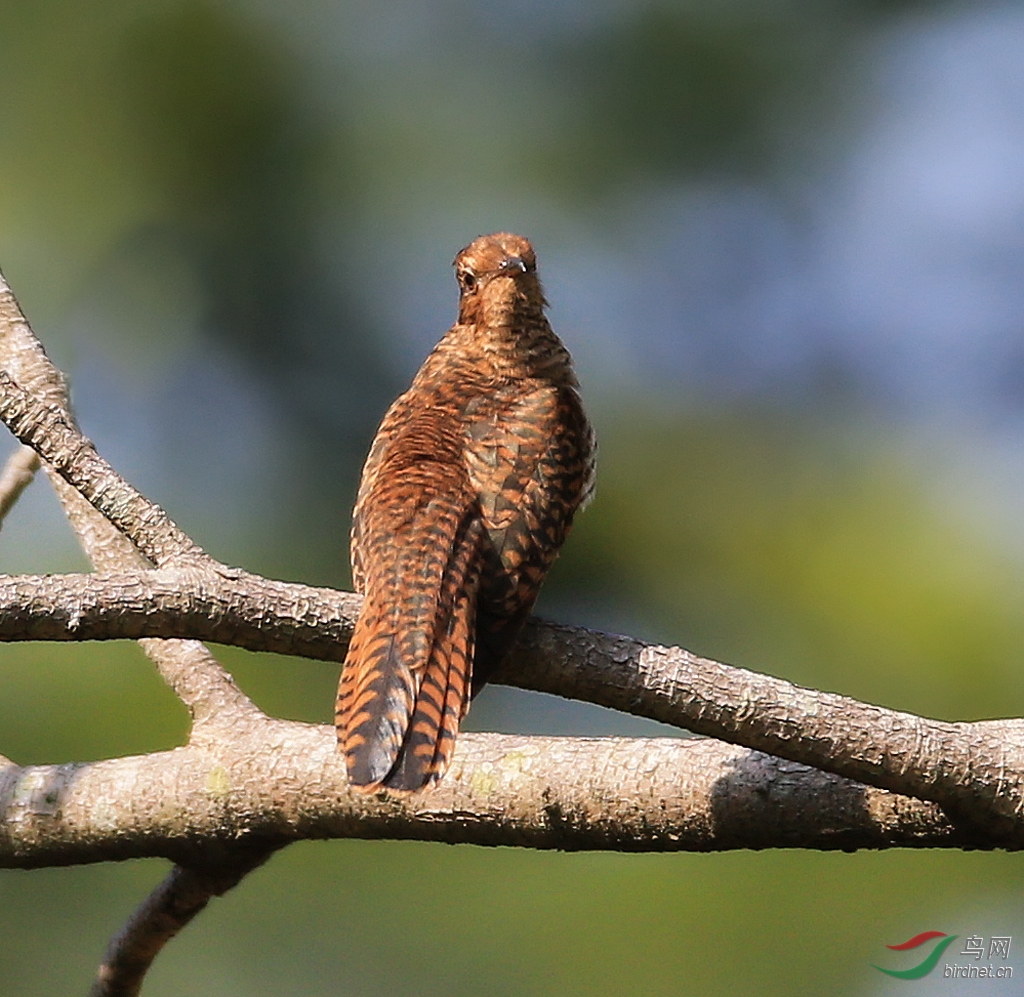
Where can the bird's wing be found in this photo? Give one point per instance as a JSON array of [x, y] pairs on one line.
[[531, 462], [399, 413]]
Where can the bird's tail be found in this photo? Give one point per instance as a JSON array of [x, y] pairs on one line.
[[405, 684]]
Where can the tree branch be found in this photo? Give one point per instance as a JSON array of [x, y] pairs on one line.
[[183, 894], [975, 770], [280, 781], [245, 611], [48, 430], [17, 475], [210, 694], [192, 672]]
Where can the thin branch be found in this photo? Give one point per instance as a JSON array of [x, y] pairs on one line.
[[17, 475], [184, 893], [35, 402], [195, 675], [23, 355], [192, 672], [49, 431]]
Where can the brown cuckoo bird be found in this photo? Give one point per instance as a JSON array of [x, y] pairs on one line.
[[467, 494]]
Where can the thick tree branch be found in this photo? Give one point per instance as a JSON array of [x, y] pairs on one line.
[[283, 781], [973, 770], [245, 611]]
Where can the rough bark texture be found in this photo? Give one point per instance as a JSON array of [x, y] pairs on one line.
[[974, 770], [272, 782]]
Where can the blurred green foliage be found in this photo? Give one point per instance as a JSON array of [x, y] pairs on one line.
[[239, 168], [64, 703], [361, 918]]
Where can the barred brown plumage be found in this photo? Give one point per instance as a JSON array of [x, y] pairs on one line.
[[467, 494]]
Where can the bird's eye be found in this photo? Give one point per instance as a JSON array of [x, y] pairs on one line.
[[468, 280]]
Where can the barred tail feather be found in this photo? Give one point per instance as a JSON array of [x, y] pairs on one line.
[[406, 679], [444, 693], [375, 698]]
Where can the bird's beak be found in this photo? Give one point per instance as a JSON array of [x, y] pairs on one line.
[[513, 263]]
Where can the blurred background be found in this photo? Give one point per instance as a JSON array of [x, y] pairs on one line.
[[785, 245]]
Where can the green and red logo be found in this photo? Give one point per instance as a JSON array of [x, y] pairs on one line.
[[924, 967]]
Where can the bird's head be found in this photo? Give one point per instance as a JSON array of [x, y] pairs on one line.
[[498, 283]]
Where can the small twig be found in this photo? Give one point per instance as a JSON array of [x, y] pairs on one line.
[[183, 894], [17, 475]]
